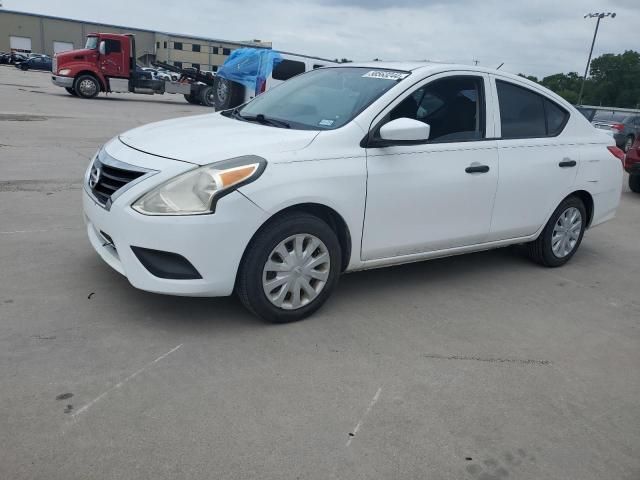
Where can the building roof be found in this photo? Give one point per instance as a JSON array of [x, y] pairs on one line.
[[183, 35]]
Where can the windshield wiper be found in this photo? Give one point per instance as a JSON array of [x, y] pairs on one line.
[[260, 118]]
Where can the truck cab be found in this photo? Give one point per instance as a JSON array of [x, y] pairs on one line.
[[88, 71]]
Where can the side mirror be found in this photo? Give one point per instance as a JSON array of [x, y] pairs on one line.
[[405, 130], [102, 48]]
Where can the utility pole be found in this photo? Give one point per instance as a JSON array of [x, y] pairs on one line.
[[599, 16]]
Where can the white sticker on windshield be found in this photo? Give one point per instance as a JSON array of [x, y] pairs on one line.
[[385, 75], [326, 123]]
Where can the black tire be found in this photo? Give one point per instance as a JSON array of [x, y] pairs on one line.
[[540, 250], [86, 92], [249, 287], [192, 100], [207, 95], [227, 94], [628, 143], [24, 67], [71, 91], [634, 183]]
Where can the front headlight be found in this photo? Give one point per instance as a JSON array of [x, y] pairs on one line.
[[64, 71], [196, 191]]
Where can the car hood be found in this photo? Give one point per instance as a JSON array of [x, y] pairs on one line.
[[204, 139]]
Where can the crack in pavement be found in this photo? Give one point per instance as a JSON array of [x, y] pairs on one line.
[[38, 185], [521, 361]]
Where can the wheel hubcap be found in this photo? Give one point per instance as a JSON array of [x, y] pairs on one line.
[[566, 232], [87, 87], [296, 271]]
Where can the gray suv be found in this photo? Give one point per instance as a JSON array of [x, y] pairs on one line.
[[624, 127]]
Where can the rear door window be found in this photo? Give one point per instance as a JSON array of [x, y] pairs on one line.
[[287, 69], [527, 114]]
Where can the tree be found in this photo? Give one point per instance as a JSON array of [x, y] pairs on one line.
[[613, 81]]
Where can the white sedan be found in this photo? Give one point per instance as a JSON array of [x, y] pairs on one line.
[[347, 168]]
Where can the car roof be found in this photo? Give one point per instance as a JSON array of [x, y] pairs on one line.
[[434, 67]]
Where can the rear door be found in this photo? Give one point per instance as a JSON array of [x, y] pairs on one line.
[[537, 163]]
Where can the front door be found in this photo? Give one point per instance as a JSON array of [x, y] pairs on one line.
[[438, 194], [111, 63]]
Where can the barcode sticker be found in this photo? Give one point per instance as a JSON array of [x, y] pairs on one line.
[[385, 75]]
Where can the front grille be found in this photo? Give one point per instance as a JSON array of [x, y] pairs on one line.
[[105, 180]]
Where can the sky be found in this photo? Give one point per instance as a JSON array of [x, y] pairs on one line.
[[535, 37]]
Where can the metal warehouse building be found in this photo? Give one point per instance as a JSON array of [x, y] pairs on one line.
[[29, 32]]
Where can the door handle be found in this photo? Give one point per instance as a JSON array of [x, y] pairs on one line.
[[477, 169], [567, 163]]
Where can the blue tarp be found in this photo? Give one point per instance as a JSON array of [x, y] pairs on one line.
[[249, 66]]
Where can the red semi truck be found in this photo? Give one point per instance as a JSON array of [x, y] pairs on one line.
[[108, 64]]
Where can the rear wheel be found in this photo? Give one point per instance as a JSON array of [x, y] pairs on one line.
[[191, 99], [207, 96], [561, 236], [227, 94], [634, 183], [71, 91], [87, 86], [290, 268]]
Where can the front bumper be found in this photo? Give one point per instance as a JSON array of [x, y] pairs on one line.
[[60, 81], [212, 244]]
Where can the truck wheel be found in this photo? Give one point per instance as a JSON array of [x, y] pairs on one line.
[[71, 91], [207, 95], [86, 86], [634, 183], [228, 94], [192, 100]]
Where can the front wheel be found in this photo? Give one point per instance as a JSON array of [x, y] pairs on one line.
[[71, 91], [290, 268], [634, 183], [561, 236], [86, 86]]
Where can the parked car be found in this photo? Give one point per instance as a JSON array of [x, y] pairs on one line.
[[16, 57], [347, 168], [632, 166], [624, 127], [35, 63]]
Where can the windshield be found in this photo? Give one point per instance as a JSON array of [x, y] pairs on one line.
[[323, 99], [92, 43]]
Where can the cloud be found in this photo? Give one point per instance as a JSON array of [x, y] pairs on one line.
[[539, 38]]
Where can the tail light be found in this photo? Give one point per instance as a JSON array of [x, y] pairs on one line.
[[618, 126], [617, 152], [261, 85]]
